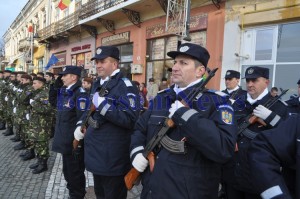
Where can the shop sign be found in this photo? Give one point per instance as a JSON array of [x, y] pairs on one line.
[[198, 22], [123, 37], [78, 48]]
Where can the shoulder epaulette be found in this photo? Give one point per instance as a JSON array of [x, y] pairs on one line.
[[283, 102], [163, 91], [220, 93], [127, 82]]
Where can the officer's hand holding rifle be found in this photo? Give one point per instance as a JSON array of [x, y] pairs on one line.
[[80, 130], [140, 161]]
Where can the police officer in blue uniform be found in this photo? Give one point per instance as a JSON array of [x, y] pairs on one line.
[[107, 137], [206, 127], [294, 102], [272, 150], [237, 172], [71, 103], [232, 80]]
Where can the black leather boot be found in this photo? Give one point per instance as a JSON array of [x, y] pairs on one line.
[[2, 125], [19, 146], [24, 153], [35, 165], [9, 131], [29, 155], [42, 166], [16, 138]]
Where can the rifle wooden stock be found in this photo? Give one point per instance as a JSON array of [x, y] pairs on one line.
[[131, 177]]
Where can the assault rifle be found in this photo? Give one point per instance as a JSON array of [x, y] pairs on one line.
[[133, 175], [251, 119], [84, 125]]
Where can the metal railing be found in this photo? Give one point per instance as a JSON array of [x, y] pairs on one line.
[[95, 6], [60, 26]]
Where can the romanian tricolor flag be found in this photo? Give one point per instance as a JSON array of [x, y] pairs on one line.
[[63, 4]]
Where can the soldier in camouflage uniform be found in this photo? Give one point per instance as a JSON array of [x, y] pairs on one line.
[[15, 93], [39, 123], [5, 89], [25, 93], [2, 121]]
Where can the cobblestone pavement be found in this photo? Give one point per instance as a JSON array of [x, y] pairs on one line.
[[17, 181]]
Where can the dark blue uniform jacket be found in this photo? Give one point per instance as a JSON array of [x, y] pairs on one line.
[[107, 147], [71, 104], [237, 170], [209, 130], [271, 150]]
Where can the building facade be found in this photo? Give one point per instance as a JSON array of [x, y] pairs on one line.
[[237, 33]]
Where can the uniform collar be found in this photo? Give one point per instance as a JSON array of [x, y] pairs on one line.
[[177, 89], [252, 101], [230, 91]]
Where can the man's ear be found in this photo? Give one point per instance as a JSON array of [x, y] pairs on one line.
[[200, 71]]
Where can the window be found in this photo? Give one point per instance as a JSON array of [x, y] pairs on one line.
[[277, 48], [126, 54], [159, 64]]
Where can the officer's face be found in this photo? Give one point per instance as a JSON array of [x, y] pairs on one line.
[[231, 83], [185, 72], [255, 87], [105, 67], [37, 84], [48, 78], [12, 77], [86, 85], [69, 79], [1, 75], [19, 77], [25, 81]]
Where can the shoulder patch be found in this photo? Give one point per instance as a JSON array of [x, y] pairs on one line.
[[127, 82], [132, 99], [226, 113]]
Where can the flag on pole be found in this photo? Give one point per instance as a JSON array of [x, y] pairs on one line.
[[53, 60], [63, 4]]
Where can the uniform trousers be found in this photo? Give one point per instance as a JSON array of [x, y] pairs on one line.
[[73, 169], [110, 187]]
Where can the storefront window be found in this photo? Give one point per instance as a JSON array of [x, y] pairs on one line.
[[159, 64], [126, 53]]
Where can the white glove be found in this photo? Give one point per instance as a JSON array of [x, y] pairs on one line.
[[30, 101], [20, 90], [78, 135], [6, 98], [15, 110], [14, 88], [27, 116], [13, 102], [174, 107], [97, 100], [140, 162], [262, 112]]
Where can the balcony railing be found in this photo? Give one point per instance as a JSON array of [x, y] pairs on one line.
[[60, 26], [95, 6], [24, 43]]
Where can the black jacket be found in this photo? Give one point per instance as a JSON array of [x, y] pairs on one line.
[[71, 104]]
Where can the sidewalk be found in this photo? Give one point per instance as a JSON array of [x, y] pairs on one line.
[[17, 181]]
